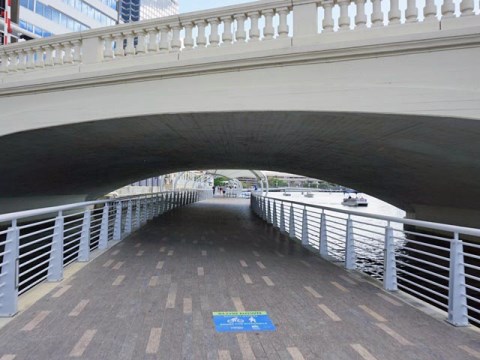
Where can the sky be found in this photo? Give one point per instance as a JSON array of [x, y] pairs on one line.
[[195, 5]]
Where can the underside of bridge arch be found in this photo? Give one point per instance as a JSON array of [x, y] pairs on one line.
[[416, 163]]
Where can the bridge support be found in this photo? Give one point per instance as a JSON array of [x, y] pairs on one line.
[[8, 303], [457, 297]]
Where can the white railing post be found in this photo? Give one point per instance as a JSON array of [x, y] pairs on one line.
[[269, 214], [275, 219], [103, 240], [305, 241], [457, 297], [264, 209], [84, 250], [9, 302], [350, 256], [323, 236], [145, 211], [128, 218], [282, 218], [55, 266], [138, 206], [291, 223], [389, 262], [117, 229]]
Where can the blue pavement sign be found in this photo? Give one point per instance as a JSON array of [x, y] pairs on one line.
[[241, 321]]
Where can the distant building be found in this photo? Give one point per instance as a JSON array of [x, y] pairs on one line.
[[50, 17], [135, 10]]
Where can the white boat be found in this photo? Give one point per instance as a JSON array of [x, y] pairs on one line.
[[287, 194], [358, 200], [309, 195]]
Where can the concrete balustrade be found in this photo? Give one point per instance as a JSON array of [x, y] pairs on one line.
[[242, 25]]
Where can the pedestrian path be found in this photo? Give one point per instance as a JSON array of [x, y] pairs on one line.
[[152, 297]]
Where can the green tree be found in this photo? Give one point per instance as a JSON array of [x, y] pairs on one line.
[[220, 181]]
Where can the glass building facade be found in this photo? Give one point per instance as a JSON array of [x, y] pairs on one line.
[[46, 18], [135, 10]]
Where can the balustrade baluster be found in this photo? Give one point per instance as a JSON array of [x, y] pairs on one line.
[[283, 26], [152, 39], [39, 61], [141, 46], [58, 59], [67, 57], [268, 30], [30, 59], [188, 41], [108, 52], [430, 10], [201, 38], [13, 61], [254, 31], [344, 19], [77, 51], [227, 35], [119, 52], [448, 9], [214, 38], [328, 18], [164, 45], [4, 64], [361, 17], [394, 13], [411, 14], [176, 42], [377, 14], [21, 60], [130, 48], [240, 34], [467, 8]]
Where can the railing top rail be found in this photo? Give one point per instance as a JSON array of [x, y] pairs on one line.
[[156, 23], [419, 223], [48, 210]]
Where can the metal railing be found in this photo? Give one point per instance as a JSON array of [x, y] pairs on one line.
[[437, 263], [36, 245]]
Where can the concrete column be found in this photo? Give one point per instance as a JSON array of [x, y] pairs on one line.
[[92, 50]]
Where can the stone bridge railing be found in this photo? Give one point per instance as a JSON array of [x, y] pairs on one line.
[[261, 22]]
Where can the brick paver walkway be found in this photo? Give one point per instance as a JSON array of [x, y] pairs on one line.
[[152, 297]]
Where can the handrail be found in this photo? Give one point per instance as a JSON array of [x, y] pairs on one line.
[[47, 210], [412, 254], [419, 223]]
